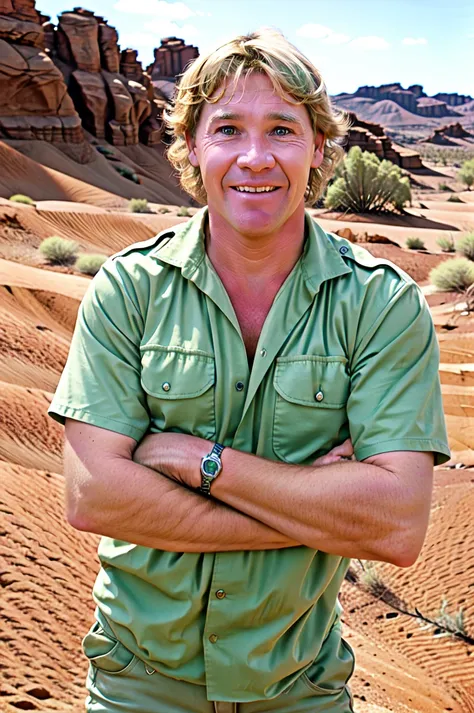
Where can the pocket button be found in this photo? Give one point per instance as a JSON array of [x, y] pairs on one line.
[[319, 396]]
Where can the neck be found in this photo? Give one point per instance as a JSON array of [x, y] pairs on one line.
[[250, 261]]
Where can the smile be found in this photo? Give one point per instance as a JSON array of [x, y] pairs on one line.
[[256, 189]]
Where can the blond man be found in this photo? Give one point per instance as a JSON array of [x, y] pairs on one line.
[[220, 378]]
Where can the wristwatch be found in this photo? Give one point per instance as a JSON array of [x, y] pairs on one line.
[[211, 466]]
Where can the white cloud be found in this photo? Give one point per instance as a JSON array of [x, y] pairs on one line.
[[166, 10], [336, 38], [321, 32], [157, 29], [371, 42], [414, 41], [314, 32]]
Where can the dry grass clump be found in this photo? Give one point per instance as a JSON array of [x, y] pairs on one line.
[[90, 264], [414, 243], [447, 244], [465, 246], [59, 251], [453, 275], [183, 212], [20, 198], [139, 205]]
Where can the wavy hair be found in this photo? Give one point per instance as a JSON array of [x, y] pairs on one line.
[[292, 75]]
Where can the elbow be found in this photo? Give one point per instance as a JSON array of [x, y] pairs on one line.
[[403, 550]]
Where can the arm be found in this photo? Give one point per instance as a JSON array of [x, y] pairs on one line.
[[375, 510], [109, 494]]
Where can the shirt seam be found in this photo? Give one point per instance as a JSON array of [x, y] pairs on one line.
[[92, 413]]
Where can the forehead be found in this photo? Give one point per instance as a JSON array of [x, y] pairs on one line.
[[253, 94]]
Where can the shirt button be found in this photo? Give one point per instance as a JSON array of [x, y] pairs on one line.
[[166, 386], [220, 594], [263, 352], [240, 386], [213, 638], [319, 396]]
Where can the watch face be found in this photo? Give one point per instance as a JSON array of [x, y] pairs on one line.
[[210, 467]]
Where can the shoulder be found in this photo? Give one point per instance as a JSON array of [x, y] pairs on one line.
[[362, 262]]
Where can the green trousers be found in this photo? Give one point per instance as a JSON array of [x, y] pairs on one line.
[[120, 682]]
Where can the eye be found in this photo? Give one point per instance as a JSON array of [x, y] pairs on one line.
[[226, 130], [283, 128]]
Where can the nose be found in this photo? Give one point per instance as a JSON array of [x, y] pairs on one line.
[[256, 156]]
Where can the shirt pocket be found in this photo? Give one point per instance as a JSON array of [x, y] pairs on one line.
[[180, 389], [310, 406]]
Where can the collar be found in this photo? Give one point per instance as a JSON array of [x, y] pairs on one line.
[[185, 249]]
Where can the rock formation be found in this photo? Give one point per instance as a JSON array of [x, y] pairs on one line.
[[413, 99], [443, 135], [55, 81], [372, 137], [171, 58]]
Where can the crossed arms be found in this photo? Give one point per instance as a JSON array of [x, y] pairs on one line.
[[377, 509]]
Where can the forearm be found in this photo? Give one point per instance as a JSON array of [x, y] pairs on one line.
[[347, 508], [146, 508]]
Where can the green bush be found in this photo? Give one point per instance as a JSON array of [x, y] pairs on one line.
[[59, 251], [466, 173], [105, 150], [164, 210], [365, 184], [447, 244], [454, 199], [127, 172], [465, 246], [414, 243], [20, 198], [90, 264], [453, 275], [444, 187], [183, 211], [139, 205]]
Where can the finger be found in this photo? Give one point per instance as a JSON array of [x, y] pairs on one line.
[[343, 449]]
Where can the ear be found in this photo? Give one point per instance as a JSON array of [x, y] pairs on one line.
[[318, 155], [191, 144]]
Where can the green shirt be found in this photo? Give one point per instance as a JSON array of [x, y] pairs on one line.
[[348, 349]]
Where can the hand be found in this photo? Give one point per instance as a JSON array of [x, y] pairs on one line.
[[341, 452], [176, 455]]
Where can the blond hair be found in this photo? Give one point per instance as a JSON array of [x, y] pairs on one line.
[[291, 73]]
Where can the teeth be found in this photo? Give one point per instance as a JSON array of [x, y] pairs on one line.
[[260, 189]]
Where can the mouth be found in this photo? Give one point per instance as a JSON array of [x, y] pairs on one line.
[[251, 190]]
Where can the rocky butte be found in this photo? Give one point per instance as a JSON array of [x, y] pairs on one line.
[[56, 81]]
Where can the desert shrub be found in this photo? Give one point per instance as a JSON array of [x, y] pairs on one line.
[[454, 275], [20, 198], [164, 210], [454, 199], [127, 172], [447, 244], [466, 173], [139, 205], [90, 264], [372, 581], [414, 243], [183, 211], [59, 251], [465, 246], [364, 184], [105, 150], [454, 624], [444, 187]]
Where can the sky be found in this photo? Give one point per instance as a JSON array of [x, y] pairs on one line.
[[351, 42]]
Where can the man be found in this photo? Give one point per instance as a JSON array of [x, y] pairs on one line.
[[249, 354]]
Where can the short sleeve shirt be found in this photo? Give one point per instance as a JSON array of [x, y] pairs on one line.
[[348, 349]]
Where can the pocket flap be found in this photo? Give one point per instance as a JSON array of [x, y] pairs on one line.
[[175, 373], [317, 381]]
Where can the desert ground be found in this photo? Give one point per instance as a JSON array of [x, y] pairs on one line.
[[407, 660]]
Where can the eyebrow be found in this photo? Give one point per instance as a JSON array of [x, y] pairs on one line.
[[272, 116]]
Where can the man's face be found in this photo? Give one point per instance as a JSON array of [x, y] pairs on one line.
[[258, 139]]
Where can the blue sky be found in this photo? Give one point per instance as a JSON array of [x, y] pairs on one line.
[[352, 42]]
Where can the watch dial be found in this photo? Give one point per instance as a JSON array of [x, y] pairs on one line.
[[210, 467]]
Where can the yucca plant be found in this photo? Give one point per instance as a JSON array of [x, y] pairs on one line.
[[365, 184]]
